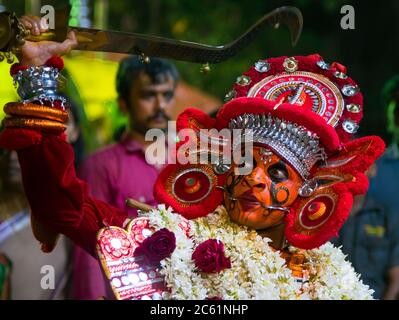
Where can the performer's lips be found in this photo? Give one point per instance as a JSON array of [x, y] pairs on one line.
[[248, 201]]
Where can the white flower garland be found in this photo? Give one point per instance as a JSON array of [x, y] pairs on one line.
[[257, 271]]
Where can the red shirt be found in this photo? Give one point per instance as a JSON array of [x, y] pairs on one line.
[[118, 172], [113, 174]]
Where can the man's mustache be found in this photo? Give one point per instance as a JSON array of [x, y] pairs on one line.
[[158, 115]]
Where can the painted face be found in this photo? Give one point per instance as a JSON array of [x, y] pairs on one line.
[[272, 183]]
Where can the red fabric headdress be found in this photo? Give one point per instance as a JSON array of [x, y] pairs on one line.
[[306, 110]]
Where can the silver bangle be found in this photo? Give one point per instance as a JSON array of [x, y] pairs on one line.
[[40, 84]]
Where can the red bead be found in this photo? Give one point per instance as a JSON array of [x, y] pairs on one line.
[[15, 68], [339, 67], [55, 62]]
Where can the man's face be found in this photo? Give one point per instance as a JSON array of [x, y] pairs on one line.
[[272, 182], [151, 104]]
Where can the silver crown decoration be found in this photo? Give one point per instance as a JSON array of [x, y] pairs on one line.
[[294, 143], [39, 84]]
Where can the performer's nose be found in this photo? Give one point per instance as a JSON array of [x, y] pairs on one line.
[[257, 179]]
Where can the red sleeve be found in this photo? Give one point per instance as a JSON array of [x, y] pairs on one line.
[[58, 199]]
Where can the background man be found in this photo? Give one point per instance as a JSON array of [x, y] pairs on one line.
[[370, 238], [385, 184], [146, 95]]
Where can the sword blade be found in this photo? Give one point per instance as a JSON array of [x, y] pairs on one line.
[[133, 43]]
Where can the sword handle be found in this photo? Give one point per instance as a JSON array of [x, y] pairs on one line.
[[13, 34], [45, 36]]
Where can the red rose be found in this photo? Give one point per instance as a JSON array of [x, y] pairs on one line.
[[159, 245], [209, 256]]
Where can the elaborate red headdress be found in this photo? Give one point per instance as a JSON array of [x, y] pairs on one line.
[[306, 110]]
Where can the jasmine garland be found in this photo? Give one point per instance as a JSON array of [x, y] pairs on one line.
[[256, 271]]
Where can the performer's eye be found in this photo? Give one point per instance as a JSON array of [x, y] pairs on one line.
[[278, 172]]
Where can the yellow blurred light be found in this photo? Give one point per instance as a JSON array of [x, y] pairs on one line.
[[7, 90], [180, 26], [95, 79]]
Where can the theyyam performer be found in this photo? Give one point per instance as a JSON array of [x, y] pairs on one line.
[[217, 234]]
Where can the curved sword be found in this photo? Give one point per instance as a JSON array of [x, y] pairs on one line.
[[141, 44]]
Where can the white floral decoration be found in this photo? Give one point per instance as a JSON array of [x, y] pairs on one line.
[[257, 271]]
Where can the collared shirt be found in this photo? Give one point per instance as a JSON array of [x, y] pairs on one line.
[[370, 238], [118, 172], [115, 173]]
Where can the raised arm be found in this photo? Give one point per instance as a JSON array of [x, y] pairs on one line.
[[58, 199]]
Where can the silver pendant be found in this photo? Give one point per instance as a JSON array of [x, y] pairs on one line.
[[308, 188], [349, 90], [350, 126], [262, 66], [323, 65]]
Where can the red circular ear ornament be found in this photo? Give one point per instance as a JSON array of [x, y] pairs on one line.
[[316, 212], [191, 185], [191, 190], [313, 221]]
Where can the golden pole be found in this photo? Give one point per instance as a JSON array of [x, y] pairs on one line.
[[33, 7], [139, 205], [101, 8]]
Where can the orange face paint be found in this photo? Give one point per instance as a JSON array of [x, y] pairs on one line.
[[272, 182]]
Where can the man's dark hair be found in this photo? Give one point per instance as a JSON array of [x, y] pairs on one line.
[[129, 68]]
